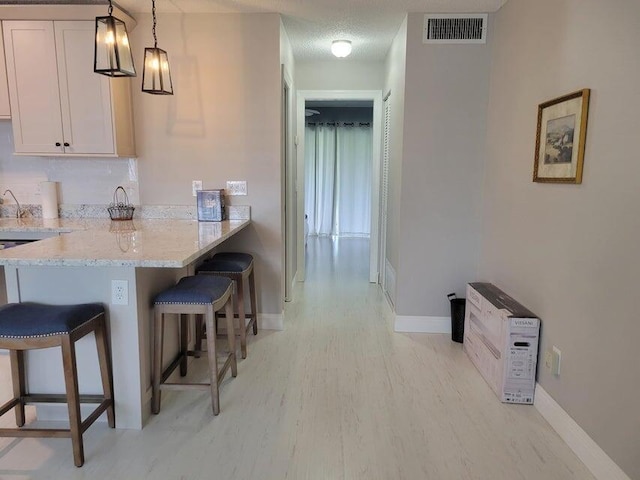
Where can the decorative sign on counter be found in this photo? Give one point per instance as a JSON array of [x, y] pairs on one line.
[[211, 207]]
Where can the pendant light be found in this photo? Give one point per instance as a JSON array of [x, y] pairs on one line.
[[112, 53], [156, 77]]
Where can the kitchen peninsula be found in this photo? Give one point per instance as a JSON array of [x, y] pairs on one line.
[[79, 263]]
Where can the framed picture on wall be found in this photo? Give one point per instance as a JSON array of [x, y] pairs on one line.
[[560, 138]]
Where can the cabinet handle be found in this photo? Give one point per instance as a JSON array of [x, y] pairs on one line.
[[58, 144], [66, 144]]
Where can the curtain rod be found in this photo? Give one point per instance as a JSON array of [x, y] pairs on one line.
[[337, 124]]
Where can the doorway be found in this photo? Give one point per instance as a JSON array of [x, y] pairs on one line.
[[333, 225]]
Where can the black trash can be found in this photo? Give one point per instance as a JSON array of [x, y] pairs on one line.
[[457, 317]]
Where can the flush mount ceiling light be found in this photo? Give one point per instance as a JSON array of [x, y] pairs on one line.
[[341, 48], [112, 52], [156, 77]]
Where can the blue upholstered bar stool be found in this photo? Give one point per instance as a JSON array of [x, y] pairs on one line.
[[238, 267], [27, 326], [200, 295]]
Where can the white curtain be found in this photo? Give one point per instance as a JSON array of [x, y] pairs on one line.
[[338, 179]]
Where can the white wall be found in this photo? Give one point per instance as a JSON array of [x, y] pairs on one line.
[[570, 252], [291, 194], [446, 92], [339, 74], [221, 124]]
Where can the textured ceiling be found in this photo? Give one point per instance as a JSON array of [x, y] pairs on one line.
[[312, 24]]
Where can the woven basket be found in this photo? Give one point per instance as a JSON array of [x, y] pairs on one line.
[[120, 208]]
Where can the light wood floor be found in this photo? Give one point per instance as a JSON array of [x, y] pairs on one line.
[[337, 395]]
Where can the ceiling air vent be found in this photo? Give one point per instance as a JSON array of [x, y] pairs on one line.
[[455, 28]]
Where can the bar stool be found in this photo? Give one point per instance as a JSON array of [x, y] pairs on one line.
[[198, 295], [27, 326], [237, 267]]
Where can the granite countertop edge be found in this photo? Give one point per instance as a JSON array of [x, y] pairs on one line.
[[160, 243]]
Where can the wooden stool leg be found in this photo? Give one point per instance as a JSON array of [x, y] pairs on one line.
[[73, 398], [104, 359], [156, 371], [231, 337], [213, 360], [16, 358], [241, 317], [252, 294], [199, 334], [184, 344]]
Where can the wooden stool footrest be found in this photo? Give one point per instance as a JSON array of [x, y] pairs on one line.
[[35, 432], [9, 405], [59, 398], [185, 386], [54, 432], [224, 368], [196, 386], [100, 409]]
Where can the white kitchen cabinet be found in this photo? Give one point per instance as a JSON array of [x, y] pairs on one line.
[[5, 110], [59, 106]]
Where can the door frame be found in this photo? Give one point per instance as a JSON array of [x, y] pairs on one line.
[[288, 201], [376, 96]]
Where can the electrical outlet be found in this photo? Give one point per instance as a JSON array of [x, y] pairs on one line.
[[195, 186], [236, 187], [548, 360], [557, 358], [119, 292]]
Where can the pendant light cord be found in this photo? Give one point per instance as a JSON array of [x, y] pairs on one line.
[[153, 14], [110, 8]]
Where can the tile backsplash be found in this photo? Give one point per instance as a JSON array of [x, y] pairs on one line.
[[82, 180]]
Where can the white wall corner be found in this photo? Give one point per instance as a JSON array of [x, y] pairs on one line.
[[271, 321], [597, 461], [409, 324]]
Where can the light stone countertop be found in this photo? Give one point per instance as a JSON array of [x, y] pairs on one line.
[[102, 243]]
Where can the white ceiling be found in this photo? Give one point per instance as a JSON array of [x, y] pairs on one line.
[[312, 24]]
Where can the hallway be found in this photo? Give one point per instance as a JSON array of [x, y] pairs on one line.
[[337, 395]]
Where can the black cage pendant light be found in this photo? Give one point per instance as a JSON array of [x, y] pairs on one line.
[[112, 54], [156, 77]]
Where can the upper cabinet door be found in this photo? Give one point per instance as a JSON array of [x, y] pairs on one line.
[[32, 74], [5, 110], [85, 96]]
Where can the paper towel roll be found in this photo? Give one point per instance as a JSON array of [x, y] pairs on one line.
[[49, 199]]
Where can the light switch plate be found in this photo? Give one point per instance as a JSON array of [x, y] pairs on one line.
[[548, 360], [557, 360], [236, 187], [195, 186]]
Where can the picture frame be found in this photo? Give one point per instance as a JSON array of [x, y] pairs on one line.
[[560, 138]]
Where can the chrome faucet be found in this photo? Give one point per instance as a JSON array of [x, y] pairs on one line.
[[19, 212]]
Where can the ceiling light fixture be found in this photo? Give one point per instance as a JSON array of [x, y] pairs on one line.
[[156, 77], [341, 48], [112, 52]]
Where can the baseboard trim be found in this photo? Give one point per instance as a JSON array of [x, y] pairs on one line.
[[597, 461], [408, 324], [271, 321]]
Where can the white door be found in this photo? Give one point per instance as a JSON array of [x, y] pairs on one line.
[[32, 75], [85, 96]]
